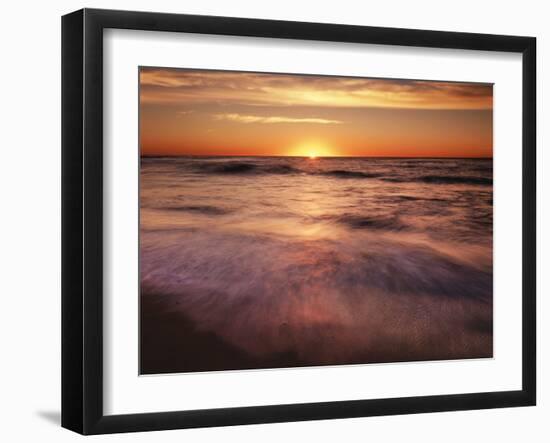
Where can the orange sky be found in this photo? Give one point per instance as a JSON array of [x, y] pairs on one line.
[[198, 112]]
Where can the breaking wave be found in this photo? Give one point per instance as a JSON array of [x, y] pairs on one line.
[[398, 172]]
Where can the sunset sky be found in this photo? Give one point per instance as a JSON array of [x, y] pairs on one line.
[[198, 112]]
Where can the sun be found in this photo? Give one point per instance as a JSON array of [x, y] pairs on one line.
[[311, 150]]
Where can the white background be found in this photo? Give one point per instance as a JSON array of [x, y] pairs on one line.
[[30, 220]]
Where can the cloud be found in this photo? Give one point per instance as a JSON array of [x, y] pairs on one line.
[[241, 118], [159, 85]]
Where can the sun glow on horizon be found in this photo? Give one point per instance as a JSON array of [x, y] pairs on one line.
[[312, 150]]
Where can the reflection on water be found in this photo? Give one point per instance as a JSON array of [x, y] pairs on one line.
[[293, 261]]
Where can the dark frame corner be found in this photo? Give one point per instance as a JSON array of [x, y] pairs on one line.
[[82, 132]]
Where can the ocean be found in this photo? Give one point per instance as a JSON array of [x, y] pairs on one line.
[[271, 262]]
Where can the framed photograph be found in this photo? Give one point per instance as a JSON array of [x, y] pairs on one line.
[[269, 221]]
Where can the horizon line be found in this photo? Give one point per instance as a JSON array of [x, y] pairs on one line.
[[317, 156]]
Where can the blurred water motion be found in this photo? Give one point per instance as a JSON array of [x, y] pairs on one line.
[[254, 262]]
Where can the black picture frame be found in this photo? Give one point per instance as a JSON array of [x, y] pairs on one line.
[[82, 219]]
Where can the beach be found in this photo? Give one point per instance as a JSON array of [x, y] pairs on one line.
[[273, 262]]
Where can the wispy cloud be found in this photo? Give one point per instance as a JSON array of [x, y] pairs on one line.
[[241, 118], [245, 88]]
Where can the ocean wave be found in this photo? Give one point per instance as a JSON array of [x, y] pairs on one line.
[[360, 221], [245, 168], [357, 221], [387, 173], [456, 179], [341, 173], [256, 170], [203, 209], [238, 168], [409, 198], [226, 168], [217, 261], [442, 179]]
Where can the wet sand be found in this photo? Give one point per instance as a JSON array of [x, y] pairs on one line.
[[172, 343]]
